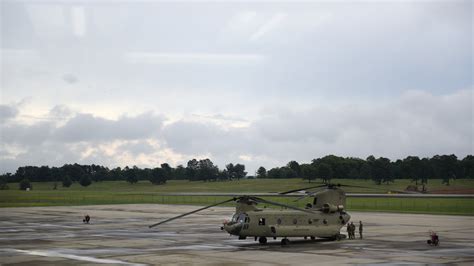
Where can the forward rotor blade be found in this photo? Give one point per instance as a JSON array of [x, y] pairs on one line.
[[188, 213], [279, 204], [305, 196], [299, 189]]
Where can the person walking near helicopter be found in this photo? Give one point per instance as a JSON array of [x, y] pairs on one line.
[[360, 229]]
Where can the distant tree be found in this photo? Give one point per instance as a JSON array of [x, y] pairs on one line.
[[324, 171], [192, 169], [67, 182], [179, 173], [261, 172], [158, 176], [295, 166], [85, 181], [166, 167], [274, 173], [131, 174], [25, 184], [426, 171], [207, 170], [99, 173], [354, 174], [308, 171], [467, 164], [445, 167], [381, 171], [411, 168], [115, 174], [3, 182], [366, 171], [75, 171], [239, 171], [223, 175], [230, 171]]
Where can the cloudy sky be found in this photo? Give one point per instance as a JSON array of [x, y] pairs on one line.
[[122, 83]]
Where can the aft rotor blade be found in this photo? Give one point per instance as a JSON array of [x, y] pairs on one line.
[[279, 204], [188, 213], [299, 189]]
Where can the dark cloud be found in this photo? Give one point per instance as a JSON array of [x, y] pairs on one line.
[[189, 137], [418, 123], [86, 127], [137, 148], [7, 112], [70, 78], [27, 135]]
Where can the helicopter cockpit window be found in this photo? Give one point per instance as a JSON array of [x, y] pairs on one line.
[[235, 218], [240, 218], [261, 221]]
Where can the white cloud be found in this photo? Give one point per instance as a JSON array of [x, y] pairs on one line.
[[193, 58], [270, 25], [78, 17], [241, 21]]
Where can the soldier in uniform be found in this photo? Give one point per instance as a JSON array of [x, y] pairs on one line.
[[352, 231], [360, 229]]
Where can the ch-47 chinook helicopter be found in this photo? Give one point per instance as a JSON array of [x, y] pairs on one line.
[[324, 218]]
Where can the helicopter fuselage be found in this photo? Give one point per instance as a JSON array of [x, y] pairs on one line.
[[286, 223]]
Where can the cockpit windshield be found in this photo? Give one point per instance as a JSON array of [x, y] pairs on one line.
[[239, 218]]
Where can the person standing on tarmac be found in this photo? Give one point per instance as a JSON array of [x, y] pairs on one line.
[[352, 231], [360, 229]]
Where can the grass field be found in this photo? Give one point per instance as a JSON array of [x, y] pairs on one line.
[[120, 192]]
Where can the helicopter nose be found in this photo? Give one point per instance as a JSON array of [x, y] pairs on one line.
[[233, 229]]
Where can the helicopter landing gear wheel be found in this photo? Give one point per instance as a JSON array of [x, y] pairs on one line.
[[313, 238], [285, 241], [262, 240]]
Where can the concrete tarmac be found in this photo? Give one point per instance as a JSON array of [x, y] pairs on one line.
[[119, 234]]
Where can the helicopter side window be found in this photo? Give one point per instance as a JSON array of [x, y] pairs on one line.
[[261, 221]]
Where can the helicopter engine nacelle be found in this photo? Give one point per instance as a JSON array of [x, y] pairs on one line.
[[329, 208]]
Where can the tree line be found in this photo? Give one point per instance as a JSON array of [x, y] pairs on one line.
[[196, 170], [380, 170]]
